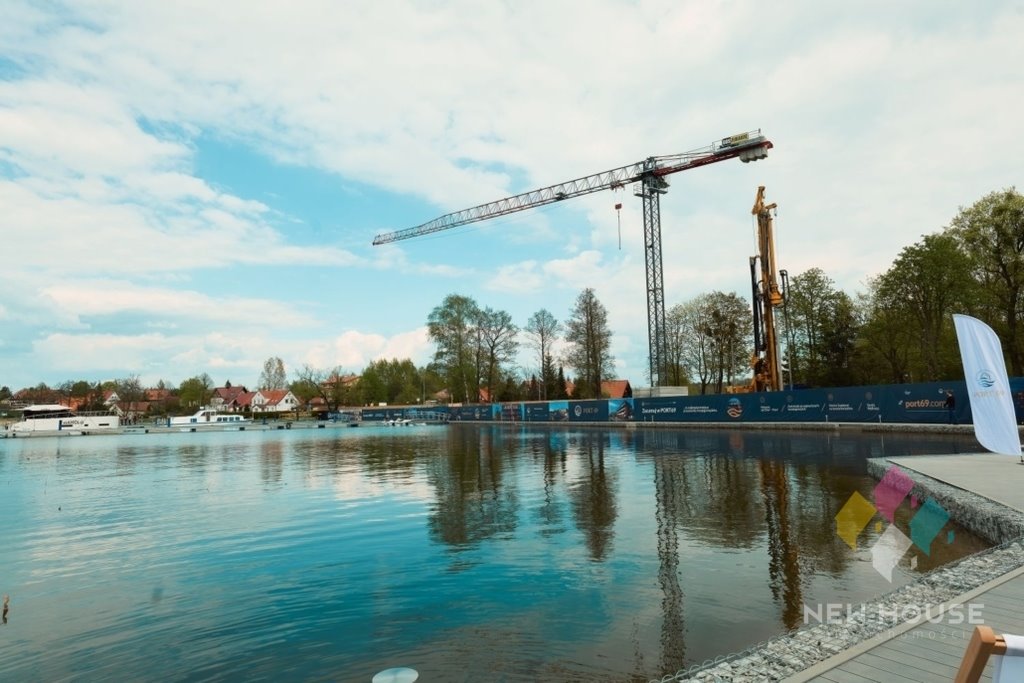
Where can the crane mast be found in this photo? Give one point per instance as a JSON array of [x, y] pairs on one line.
[[649, 177], [766, 297]]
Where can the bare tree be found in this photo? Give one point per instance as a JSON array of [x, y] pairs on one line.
[[273, 376], [542, 331]]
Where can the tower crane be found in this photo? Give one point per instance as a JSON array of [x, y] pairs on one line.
[[648, 177], [766, 297]]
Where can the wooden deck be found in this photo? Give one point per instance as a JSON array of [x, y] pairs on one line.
[[932, 651]]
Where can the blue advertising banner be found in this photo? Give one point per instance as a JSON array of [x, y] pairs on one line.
[[536, 412], [473, 413], [925, 403], [558, 411], [657, 409], [510, 412], [588, 411], [620, 410], [381, 414], [902, 403]]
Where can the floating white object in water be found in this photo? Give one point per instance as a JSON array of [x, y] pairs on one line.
[[400, 674]]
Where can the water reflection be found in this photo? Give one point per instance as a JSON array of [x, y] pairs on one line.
[[473, 501], [534, 554], [593, 497]]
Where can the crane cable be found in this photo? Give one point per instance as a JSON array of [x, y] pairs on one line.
[[618, 212]]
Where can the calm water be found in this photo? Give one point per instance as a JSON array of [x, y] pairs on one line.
[[467, 553]]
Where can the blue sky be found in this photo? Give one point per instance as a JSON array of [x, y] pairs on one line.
[[190, 188]]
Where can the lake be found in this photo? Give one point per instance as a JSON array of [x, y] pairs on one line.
[[466, 552]]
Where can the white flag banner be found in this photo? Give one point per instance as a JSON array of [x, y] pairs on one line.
[[995, 424]]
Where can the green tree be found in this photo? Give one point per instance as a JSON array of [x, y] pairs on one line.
[[926, 284], [725, 320], [273, 376], [589, 341], [195, 392], [885, 338], [452, 328], [561, 387], [991, 232], [392, 382], [821, 329], [499, 345]]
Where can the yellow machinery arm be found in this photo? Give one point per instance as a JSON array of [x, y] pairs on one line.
[[767, 296]]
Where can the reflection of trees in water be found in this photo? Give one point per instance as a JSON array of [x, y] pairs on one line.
[[124, 459], [783, 556], [271, 462], [389, 455], [552, 449], [671, 486], [473, 503], [193, 457], [744, 490], [593, 497]]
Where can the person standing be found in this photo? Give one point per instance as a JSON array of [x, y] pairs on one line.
[[950, 408]]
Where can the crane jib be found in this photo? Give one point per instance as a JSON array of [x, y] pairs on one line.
[[747, 146]]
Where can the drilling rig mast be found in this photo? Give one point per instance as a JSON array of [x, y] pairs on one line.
[[766, 297], [649, 176]]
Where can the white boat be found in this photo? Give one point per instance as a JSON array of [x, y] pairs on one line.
[[52, 419], [208, 418]]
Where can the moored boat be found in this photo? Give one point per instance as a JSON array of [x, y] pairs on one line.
[[208, 418], [53, 419]]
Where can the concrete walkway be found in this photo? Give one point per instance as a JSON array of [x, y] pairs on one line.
[[931, 649], [996, 477]]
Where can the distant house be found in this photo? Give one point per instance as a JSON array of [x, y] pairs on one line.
[[132, 409], [225, 396], [110, 398], [241, 403], [158, 395], [616, 388], [274, 401]]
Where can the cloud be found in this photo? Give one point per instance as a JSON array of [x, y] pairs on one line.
[[353, 350], [884, 123]]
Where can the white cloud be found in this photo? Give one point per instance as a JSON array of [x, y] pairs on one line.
[[885, 119]]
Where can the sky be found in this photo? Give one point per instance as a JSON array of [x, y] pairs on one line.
[[190, 187]]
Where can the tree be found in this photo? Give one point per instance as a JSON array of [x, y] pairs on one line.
[[589, 344], [273, 376], [498, 344], [991, 232], [542, 331], [452, 328], [926, 284], [391, 381], [326, 384], [821, 329], [885, 338], [690, 339], [725, 320], [130, 389], [561, 387], [196, 391]]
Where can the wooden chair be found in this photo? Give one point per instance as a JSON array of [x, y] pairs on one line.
[[986, 643]]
